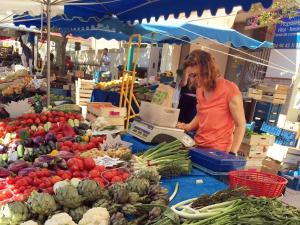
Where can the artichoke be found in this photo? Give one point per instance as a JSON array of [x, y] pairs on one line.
[[118, 219], [41, 203], [68, 196], [119, 193], [14, 213], [78, 213], [139, 185], [149, 173], [134, 198], [112, 208], [90, 190]]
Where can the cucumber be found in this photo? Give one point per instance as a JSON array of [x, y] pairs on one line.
[[20, 151]]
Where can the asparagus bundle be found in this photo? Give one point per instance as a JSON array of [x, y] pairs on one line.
[[170, 159]]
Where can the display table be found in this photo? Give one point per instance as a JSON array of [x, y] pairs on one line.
[[187, 184]]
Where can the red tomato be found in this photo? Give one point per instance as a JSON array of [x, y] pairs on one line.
[[27, 191], [81, 147], [2, 186], [74, 168], [19, 198], [65, 148], [39, 173], [125, 176], [67, 176], [77, 174], [49, 190], [44, 119], [55, 179], [59, 136], [84, 174], [68, 143], [10, 180], [37, 121], [90, 145], [89, 163], [100, 168], [46, 172], [37, 182], [116, 179], [94, 174], [99, 181], [29, 121], [108, 175], [32, 174]]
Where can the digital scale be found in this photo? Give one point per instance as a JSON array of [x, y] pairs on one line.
[[150, 133]]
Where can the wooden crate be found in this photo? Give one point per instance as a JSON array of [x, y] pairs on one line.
[[252, 151], [259, 140], [84, 89], [273, 94]]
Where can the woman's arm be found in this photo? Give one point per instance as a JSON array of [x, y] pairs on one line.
[[193, 125], [238, 115]]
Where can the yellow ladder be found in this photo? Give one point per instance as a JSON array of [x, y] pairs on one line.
[[126, 93]]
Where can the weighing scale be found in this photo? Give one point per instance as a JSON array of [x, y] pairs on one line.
[[150, 133]]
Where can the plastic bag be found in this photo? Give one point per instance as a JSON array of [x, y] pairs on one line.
[[163, 95]]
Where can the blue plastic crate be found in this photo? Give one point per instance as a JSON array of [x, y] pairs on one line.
[[293, 182], [217, 161], [62, 92], [276, 131]]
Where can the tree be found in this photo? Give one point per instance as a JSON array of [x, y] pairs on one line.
[[279, 10]]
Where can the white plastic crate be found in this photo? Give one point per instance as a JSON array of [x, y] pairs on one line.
[[159, 115]]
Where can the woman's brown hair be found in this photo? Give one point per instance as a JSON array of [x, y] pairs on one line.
[[208, 69]]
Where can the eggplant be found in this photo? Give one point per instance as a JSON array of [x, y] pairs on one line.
[[84, 126], [26, 171], [50, 137], [17, 166], [79, 131], [3, 149], [28, 143], [38, 140], [62, 164], [4, 172], [65, 155]]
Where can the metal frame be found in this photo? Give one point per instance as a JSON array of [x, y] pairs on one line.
[[126, 92]]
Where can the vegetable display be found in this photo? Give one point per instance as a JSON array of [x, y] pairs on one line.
[[169, 159]]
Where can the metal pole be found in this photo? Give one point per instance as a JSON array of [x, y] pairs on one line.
[[48, 50]]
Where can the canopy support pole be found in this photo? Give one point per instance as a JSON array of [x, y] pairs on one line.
[[48, 50]]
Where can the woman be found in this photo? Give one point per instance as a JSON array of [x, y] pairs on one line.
[[187, 101], [220, 120]]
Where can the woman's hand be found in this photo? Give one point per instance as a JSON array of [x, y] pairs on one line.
[[182, 126]]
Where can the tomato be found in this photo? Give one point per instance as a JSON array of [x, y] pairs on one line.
[[19, 198], [37, 121], [37, 182], [7, 193], [81, 147], [59, 136], [125, 176], [94, 174], [55, 179], [89, 163], [68, 143], [42, 185], [74, 168], [16, 191], [50, 119], [2, 186], [49, 190], [27, 191], [116, 179], [67, 176], [75, 146], [108, 175], [28, 179], [77, 174], [84, 174], [100, 168], [39, 173], [21, 183], [60, 113], [46, 172], [90, 145], [10, 180], [99, 181], [32, 174], [60, 172], [44, 119], [49, 114]]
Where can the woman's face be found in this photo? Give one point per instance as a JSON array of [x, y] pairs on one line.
[[193, 75]]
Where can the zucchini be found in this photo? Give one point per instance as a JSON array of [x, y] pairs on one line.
[[20, 151]]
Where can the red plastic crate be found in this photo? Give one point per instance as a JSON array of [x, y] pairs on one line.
[[260, 184]]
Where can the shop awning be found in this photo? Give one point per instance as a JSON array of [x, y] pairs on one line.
[[169, 31]]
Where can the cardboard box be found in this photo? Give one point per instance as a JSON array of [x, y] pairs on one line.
[[271, 164], [252, 151], [259, 140], [106, 110], [79, 74]]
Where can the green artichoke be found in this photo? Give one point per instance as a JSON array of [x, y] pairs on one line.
[[149, 173], [41, 203], [139, 185], [78, 213], [119, 193], [14, 213], [90, 190], [111, 207], [68, 196]]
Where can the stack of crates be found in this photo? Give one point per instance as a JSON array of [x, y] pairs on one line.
[[266, 112], [283, 137], [254, 149]]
